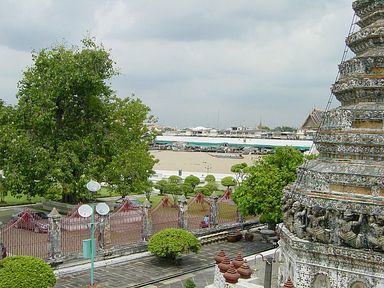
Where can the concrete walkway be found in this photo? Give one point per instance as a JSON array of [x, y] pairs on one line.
[[151, 272]]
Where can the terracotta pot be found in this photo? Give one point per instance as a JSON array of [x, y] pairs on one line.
[[224, 265], [220, 256], [289, 283], [244, 270], [234, 237], [238, 261], [231, 276]]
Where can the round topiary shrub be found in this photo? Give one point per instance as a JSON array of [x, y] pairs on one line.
[[25, 272], [171, 243]]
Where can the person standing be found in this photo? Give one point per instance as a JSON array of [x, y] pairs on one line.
[[206, 220], [3, 250]]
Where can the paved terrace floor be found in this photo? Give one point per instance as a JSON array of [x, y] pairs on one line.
[[152, 272]]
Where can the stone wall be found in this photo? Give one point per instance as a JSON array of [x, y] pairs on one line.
[[315, 265]]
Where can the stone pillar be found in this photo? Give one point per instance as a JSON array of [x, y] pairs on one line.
[[147, 224], [54, 234], [101, 237], [214, 210], [107, 230], [182, 209], [268, 272]]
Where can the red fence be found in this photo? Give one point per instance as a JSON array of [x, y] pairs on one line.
[[198, 208], [227, 211], [26, 234], [164, 215], [125, 225], [74, 229]]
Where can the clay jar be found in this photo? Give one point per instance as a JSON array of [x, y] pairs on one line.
[[234, 236], [220, 256], [224, 265], [238, 261], [231, 276], [289, 283], [244, 270]]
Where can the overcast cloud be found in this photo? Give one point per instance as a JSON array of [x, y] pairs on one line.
[[194, 62]]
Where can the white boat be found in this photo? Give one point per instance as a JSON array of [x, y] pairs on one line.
[[228, 156]]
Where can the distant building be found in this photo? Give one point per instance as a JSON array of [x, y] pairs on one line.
[[228, 143], [311, 124], [306, 132]]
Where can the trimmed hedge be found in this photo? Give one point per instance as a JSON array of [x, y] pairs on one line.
[[25, 272], [172, 242]]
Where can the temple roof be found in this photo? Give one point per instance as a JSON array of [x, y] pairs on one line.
[[313, 120]]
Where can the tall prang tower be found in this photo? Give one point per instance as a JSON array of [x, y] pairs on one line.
[[333, 230]]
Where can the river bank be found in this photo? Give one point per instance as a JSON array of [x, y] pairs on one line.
[[197, 161]]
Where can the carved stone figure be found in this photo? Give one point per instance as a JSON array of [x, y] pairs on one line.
[[286, 203], [317, 228], [375, 235], [299, 219], [349, 232], [287, 211]]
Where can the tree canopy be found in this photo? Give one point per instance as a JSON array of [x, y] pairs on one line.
[[210, 178], [261, 191], [175, 179], [192, 181], [176, 186], [208, 188], [228, 181], [69, 127]]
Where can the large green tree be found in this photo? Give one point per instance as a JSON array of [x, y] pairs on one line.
[[261, 191], [6, 122], [69, 127]]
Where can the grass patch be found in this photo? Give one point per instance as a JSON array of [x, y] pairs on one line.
[[12, 200], [106, 192]]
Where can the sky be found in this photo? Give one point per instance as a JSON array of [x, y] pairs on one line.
[[216, 63]]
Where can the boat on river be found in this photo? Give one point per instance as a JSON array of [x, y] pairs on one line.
[[228, 156]]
